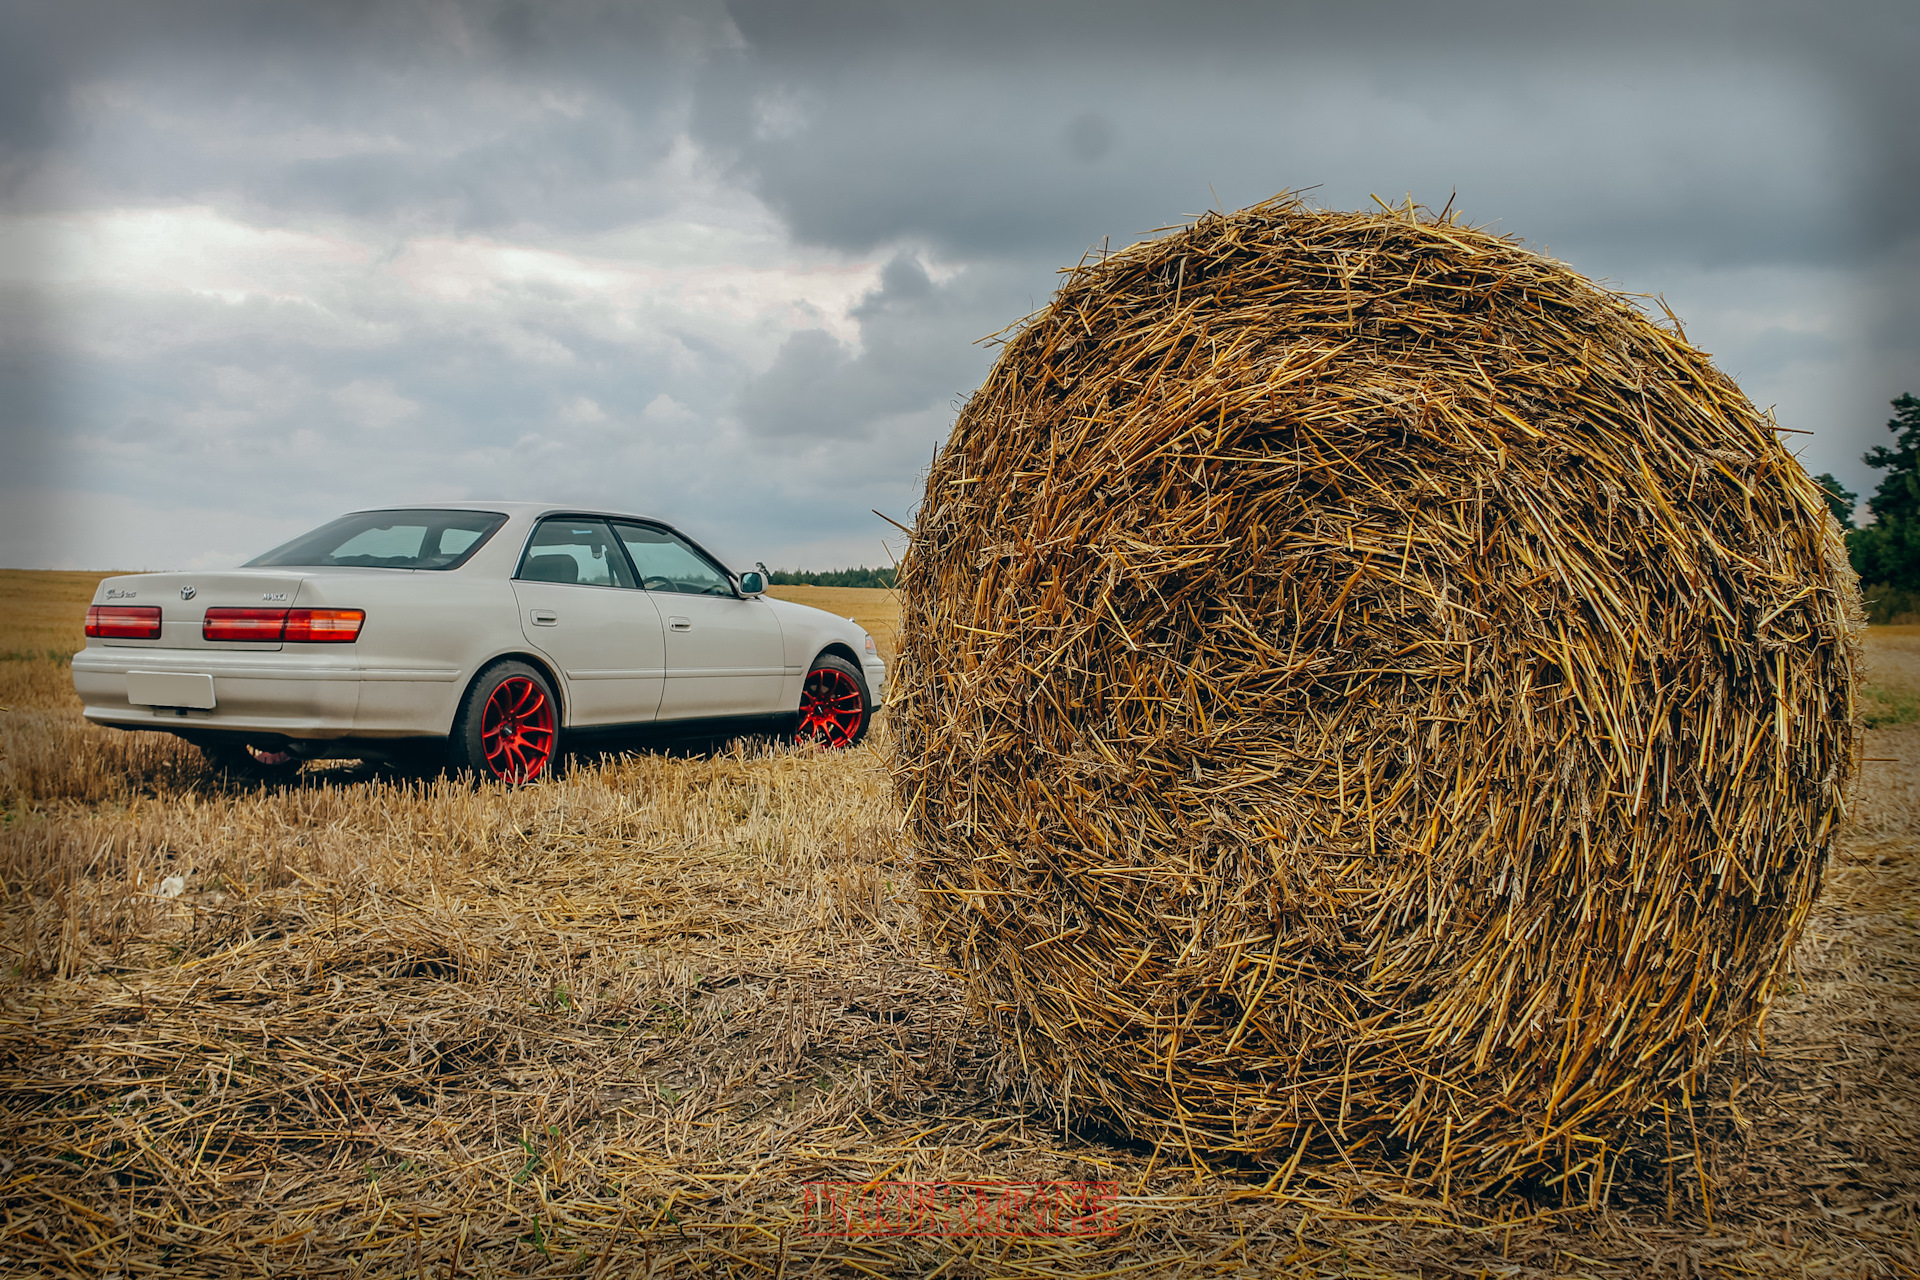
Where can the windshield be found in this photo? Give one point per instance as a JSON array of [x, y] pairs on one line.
[[388, 540]]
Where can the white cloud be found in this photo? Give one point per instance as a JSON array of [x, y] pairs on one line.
[[373, 403], [707, 296], [192, 250], [583, 410], [778, 114], [281, 374]]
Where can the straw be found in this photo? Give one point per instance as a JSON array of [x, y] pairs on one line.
[[1366, 689], [613, 1024]]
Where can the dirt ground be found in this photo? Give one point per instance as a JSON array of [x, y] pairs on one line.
[[615, 1023]]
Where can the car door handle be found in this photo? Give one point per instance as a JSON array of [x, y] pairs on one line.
[[676, 623], [544, 618]]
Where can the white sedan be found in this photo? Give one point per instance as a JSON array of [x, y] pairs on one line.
[[484, 633]]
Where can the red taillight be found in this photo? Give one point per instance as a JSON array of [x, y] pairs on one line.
[[123, 621], [244, 624], [296, 626], [325, 626]]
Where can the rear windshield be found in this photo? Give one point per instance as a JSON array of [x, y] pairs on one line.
[[389, 540]]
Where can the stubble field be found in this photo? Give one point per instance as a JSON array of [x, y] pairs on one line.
[[612, 1024]]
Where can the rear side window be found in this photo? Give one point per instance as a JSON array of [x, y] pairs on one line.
[[578, 552], [388, 540]]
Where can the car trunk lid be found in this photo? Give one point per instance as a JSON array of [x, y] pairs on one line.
[[184, 598]]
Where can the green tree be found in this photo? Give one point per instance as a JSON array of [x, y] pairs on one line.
[[1899, 493], [861, 577], [1886, 554], [1840, 499]]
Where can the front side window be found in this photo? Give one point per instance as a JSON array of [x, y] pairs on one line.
[[579, 552], [667, 563], [388, 540]]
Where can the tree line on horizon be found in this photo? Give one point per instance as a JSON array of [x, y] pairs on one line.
[[1886, 552], [862, 577]]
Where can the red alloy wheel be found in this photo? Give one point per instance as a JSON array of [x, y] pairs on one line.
[[516, 730], [832, 708]]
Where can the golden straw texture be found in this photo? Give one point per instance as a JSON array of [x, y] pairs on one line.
[[1366, 691]]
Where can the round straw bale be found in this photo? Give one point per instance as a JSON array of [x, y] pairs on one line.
[[1366, 689]]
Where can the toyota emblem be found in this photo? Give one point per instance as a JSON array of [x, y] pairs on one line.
[[186, 593]]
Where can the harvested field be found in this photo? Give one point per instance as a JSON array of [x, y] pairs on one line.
[[610, 1024], [877, 611]]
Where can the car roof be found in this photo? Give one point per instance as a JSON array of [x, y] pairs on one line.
[[535, 510], [515, 508]]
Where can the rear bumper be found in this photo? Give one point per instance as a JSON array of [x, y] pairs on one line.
[[296, 695]]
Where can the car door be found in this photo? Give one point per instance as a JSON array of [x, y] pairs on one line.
[[724, 652], [580, 606]]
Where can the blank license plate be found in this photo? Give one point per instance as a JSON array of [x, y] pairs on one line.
[[169, 689]]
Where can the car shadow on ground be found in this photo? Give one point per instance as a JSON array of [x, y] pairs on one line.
[[428, 768]]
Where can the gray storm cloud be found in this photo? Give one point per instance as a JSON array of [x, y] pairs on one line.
[[1089, 137], [731, 262], [915, 352]]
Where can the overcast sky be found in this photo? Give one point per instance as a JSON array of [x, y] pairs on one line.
[[261, 262]]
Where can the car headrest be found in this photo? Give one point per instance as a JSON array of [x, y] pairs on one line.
[[552, 569]]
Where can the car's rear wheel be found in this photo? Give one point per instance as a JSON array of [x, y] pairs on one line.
[[250, 762], [833, 704], [508, 729]]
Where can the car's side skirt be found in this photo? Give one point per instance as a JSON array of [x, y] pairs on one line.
[[602, 737]]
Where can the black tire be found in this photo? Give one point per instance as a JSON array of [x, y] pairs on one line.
[[834, 704], [249, 763], [508, 729]]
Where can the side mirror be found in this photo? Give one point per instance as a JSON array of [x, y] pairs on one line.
[[752, 584]]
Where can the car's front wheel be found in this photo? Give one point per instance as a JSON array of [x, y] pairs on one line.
[[833, 703], [251, 763], [508, 728]]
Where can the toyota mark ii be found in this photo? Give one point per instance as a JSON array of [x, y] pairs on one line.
[[485, 634]]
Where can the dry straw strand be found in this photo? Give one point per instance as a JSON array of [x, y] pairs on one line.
[[1365, 688]]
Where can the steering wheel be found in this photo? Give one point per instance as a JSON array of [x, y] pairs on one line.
[[657, 584]]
